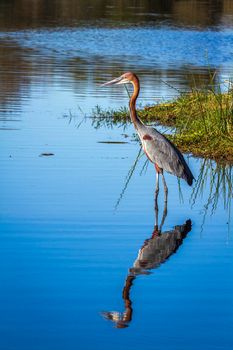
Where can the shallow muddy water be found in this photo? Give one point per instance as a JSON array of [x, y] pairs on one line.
[[82, 265]]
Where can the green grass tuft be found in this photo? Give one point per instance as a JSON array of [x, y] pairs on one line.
[[202, 121]]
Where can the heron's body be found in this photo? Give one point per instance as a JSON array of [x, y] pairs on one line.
[[159, 150], [164, 154]]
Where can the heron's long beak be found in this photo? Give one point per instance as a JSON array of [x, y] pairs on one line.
[[112, 82]]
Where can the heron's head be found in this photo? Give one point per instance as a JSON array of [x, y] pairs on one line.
[[125, 78]]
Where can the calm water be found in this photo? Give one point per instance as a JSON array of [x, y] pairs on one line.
[[82, 265]]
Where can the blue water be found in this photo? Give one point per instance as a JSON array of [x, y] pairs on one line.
[[71, 236], [161, 47]]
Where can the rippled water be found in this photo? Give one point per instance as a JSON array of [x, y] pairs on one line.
[[82, 265]]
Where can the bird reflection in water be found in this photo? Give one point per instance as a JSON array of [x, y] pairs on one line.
[[155, 251]]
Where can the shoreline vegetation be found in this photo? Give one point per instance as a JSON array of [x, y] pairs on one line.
[[201, 120]]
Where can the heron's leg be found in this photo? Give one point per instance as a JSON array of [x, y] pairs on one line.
[[165, 189], [164, 216], [156, 199]]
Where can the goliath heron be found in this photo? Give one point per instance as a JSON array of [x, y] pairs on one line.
[[158, 149]]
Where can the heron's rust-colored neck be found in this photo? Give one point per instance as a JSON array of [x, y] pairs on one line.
[[132, 102]]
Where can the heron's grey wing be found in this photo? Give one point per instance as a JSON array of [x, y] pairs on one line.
[[165, 154]]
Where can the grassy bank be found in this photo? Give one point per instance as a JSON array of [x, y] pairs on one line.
[[202, 122]]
